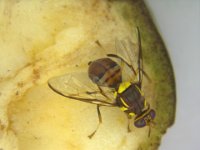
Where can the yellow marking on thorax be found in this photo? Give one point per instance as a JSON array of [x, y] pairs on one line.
[[142, 93], [115, 94], [122, 87], [123, 108], [124, 102], [145, 104], [131, 114]]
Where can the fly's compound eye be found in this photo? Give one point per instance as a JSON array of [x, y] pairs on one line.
[[140, 123], [145, 120], [152, 114]]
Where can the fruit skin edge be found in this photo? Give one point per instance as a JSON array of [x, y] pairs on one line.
[[159, 61]]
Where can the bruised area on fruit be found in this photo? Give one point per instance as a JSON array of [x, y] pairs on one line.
[[42, 39]]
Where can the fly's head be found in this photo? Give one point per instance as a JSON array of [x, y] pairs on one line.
[[145, 119]]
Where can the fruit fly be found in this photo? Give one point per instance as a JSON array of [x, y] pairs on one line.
[[109, 86]]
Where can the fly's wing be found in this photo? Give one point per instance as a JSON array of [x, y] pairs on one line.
[[140, 67], [140, 59], [128, 51], [127, 56], [77, 86]]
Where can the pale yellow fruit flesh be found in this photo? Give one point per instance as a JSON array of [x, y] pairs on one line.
[[42, 39]]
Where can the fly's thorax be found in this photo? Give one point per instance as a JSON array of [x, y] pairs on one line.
[[121, 88], [130, 99], [105, 72]]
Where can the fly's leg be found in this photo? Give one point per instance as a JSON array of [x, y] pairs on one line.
[[100, 121], [144, 73], [102, 93], [118, 57], [128, 126]]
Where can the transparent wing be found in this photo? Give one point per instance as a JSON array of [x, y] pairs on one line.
[[77, 86], [127, 54]]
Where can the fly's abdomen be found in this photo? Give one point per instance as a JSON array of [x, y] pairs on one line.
[[105, 72]]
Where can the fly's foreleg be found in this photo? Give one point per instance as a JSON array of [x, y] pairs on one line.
[[129, 120]]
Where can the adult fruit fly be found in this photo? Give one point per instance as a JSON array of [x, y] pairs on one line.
[[111, 83]]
